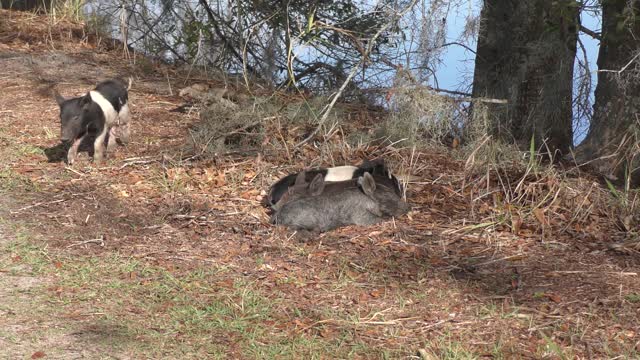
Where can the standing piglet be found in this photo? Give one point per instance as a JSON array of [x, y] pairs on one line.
[[104, 110]]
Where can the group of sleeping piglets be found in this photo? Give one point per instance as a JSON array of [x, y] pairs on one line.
[[315, 200], [325, 199]]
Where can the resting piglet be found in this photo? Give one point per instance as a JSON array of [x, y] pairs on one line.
[[323, 206], [336, 174], [104, 110]]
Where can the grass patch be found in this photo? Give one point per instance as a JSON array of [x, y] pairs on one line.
[[28, 149], [198, 313], [632, 298], [550, 348], [11, 180]]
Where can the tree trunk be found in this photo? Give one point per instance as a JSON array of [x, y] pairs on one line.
[[613, 133], [525, 54]]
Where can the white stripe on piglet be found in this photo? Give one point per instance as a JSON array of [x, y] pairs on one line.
[[110, 114], [340, 173]]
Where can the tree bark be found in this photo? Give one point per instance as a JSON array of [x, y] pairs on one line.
[[525, 54], [613, 134]]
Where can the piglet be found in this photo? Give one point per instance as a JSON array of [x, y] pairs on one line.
[[104, 110]]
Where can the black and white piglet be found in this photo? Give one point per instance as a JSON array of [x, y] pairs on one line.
[[104, 110], [335, 174]]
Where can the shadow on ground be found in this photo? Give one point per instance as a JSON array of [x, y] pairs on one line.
[[58, 153]]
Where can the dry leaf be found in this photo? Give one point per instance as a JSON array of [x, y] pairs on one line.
[[249, 174], [516, 224], [627, 222], [220, 179], [553, 297], [539, 214]]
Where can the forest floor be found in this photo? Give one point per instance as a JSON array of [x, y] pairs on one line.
[[156, 255]]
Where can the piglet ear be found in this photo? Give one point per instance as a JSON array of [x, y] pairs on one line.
[[317, 185], [367, 184], [85, 100], [300, 179], [59, 99]]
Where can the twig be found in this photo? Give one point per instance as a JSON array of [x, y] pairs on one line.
[[452, 92], [516, 256], [459, 44], [99, 241], [38, 204], [74, 171], [169, 83], [137, 162], [485, 100], [434, 325], [138, 158], [624, 67], [598, 272]]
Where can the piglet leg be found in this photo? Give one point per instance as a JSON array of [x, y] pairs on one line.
[[124, 133], [73, 150], [125, 117], [99, 147], [112, 138]]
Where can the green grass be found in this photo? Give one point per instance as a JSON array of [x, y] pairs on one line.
[[13, 151], [550, 348], [10, 180], [28, 149], [196, 316], [632, 298], [177, 314]]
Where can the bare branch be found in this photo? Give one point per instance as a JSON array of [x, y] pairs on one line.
[[591, 33], [227, 43], [363, 59], [459, 44], [624, 67]]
